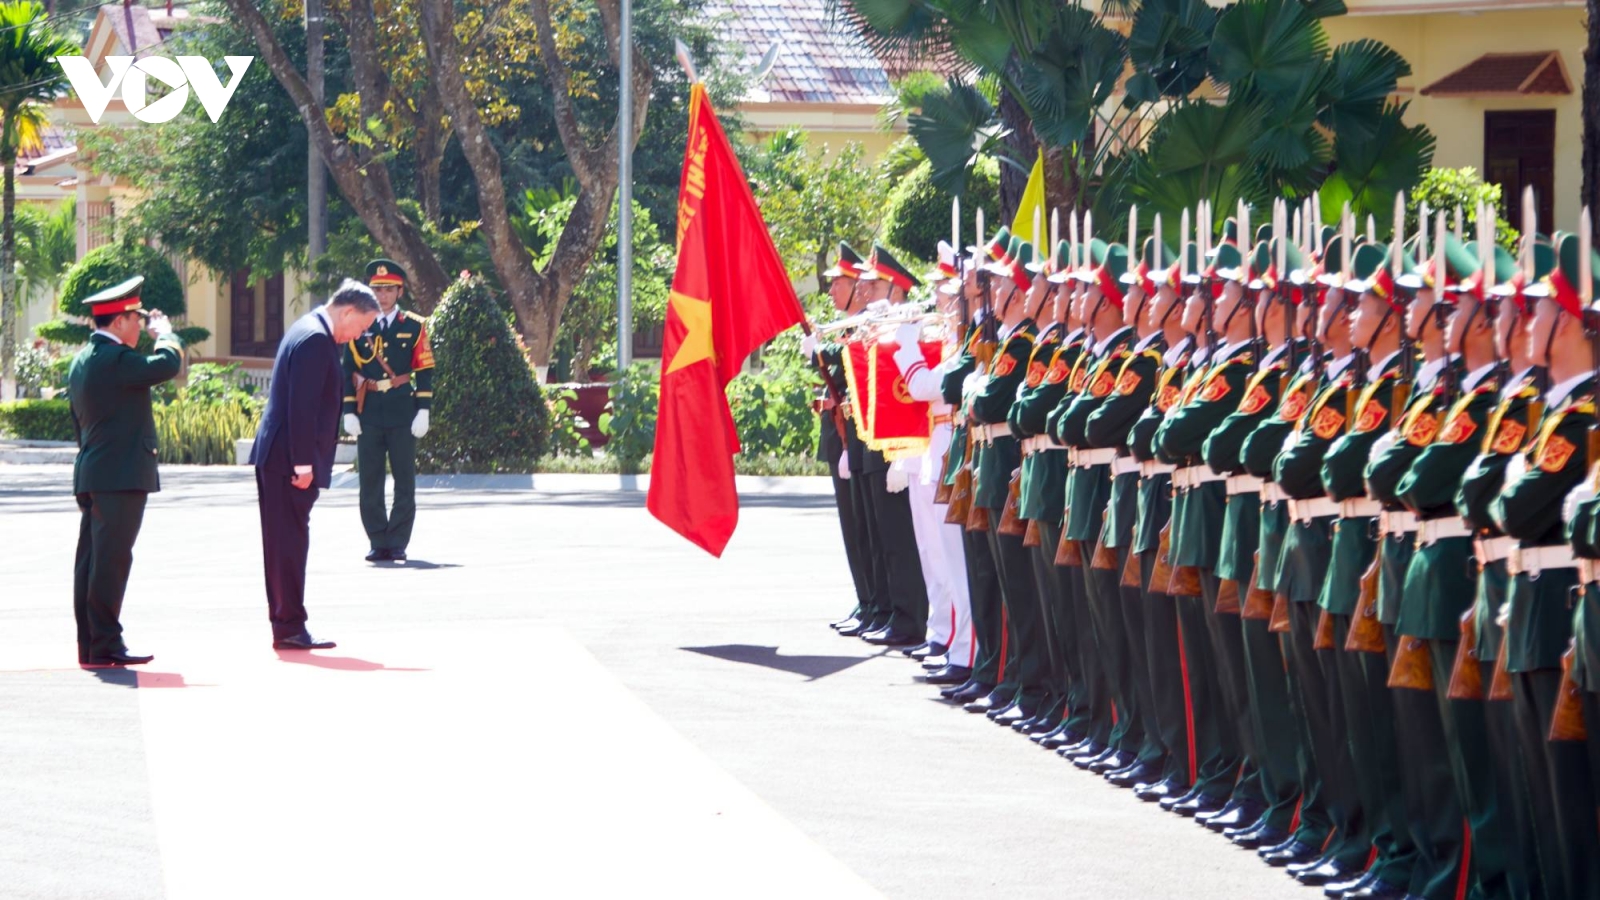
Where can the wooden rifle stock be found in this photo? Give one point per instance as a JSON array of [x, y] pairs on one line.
[[1500, 684], [1228, 598], [1068, 553], [1011, 522], [1366, 632], [1161, 575], [1133, 572], [1413, 665], [978, 518], [1466, 677], [1324, 636], [1257, 602], [941, 494], [1566, 720], [1033, 537], [960, 498], [1279, 623], [1104, 558]]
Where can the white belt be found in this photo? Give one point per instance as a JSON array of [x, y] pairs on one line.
[[1122, 465], [1359, 508], [1534, 560], [1398, 521], [1315, 508], [988, 433], [1039, 443], [1152, 468], [1435, 530], [1193, 476], [1272, 493], [1104, 456], [1243, 484], [1494, 549]]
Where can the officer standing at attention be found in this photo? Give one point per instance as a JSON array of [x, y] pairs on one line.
[[115, 472], [386, 410]]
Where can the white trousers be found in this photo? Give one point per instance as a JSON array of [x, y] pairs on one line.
[[944, 563]]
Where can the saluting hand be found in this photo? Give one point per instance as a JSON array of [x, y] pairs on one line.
[[158, 324]]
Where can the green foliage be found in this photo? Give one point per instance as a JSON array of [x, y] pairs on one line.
[[903, 156], [350, 248], [812, 200], [565, 438], [1446, 190], [47, 245], [772, 406], [36, 420], [113, 263], [489, 414], [38, 369], [918, 214], [208, 383], [606, 464], [635, 399], [201, 431], [589, 323], [956, 126]]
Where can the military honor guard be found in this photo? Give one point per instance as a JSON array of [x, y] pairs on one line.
[[389, 370], [115, 471]]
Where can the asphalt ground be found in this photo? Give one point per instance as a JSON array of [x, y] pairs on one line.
[[555, 697]]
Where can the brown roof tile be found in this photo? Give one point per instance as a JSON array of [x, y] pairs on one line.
[[1540, 72], [817, 62]]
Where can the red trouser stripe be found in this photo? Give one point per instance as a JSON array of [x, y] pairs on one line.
[[1466, 860], [1005, 640], [1188, 706]]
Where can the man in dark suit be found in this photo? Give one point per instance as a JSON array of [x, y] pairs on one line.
[[115, 472], [293, 450]]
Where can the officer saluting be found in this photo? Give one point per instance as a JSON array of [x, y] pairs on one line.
[[115, 472], [386, 410]]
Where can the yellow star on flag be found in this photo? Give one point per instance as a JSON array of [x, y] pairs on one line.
[[696, 318]]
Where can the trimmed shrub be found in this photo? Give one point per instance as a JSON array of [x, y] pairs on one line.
[[489, 414], [918, 215], [113, 264], [197, 430], [37, 420]]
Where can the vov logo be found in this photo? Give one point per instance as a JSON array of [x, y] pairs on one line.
[[179, 74]]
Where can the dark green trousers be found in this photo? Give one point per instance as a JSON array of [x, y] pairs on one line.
[[1215, 750], [1467, 745], [107, 529], [1054, 619], [1272, 721], [1026, 664], [1227, 648], [832, 447], [1132, 607], [1089, 708], [876, 608], [1557, 782], [1169, 676], [1112, 645], [386, 529], [1369, 729], [1434, 815], [1511, 779], [988, 616], [1317, 679]]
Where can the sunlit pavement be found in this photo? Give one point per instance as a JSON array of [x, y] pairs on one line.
[[555, 697]]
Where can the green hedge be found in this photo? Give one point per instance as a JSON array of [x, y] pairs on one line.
[[489, 414], [36, 420], [918, 215]]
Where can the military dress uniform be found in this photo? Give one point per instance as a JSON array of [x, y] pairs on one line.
[[114, 473], [837, 432], [390, 390]]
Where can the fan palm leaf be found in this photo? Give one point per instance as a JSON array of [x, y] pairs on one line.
[[1361, 76], [1368, 173], [1267, 46], [954, 127]]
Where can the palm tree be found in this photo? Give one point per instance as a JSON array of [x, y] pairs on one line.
[[47, 245], [29, 78]]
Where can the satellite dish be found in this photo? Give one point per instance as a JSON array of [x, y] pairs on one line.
[[763, 68]]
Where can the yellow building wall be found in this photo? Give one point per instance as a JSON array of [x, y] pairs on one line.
[[1438, 43]]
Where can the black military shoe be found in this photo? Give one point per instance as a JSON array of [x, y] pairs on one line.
[[378, 554], [949, 675]]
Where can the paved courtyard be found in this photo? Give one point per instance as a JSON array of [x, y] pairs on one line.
[[556, 697]]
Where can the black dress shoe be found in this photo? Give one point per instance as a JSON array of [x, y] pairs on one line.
[[1142, 773], [1044, 723], [1376, 889], [1330, 870], [1321, 859], [1337, 889], [1226, 810], [936, 662], [1198, 805], [1161, 790], [397, 555], [1061, 737], [378, 554], [971, 691], [119, 658], [845, 622], [907, 651], [1265, 836], [1107, 763], [890, 638], [856, 630], [1089, 762], [1002, 710], [925, 650], [1088, 747], [988, 702], [1248, 827], [1243, 814], [1019, 712], [949, 675], [301, 641], [1184, 797], [1291, 852]]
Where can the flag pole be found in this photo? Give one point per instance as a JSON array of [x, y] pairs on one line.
[[625, 190]]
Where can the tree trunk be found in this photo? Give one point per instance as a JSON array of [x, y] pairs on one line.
[[362, 180], [1591, 110], [432, 139], [1058, 194], [8, 273]]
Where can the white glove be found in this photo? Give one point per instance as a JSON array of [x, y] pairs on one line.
[[896, 479], [352, 425], [1516, 468], [908, 335], [1579, 494], [1382, 444], [844, 467], [158, 324], [419, 425], [808, 346]]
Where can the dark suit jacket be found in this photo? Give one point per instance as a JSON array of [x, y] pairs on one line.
[[109, 390], [300, 425]]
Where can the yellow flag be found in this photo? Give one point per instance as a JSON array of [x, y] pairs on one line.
[[1030, 211]]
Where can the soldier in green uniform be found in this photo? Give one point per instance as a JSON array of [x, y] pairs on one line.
[[108, 387], [1213, 638], [1317, 406], [1089, 493], [386, 410], [1439, 586], [1539, 622], [1278, 749], [1110, 426]]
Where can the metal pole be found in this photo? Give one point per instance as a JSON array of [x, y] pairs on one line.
[[316, 173], [625, 194]]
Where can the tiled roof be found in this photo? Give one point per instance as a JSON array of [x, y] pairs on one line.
[[818, 62], [53, 141], [1540, 72]]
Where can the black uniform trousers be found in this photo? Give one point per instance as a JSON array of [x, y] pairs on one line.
[[1317, 681], [896, 542], [1090, 710], [388, 529], [1027, 659], [854, 548], [1466, 738], [1433, 809], [1216, 754], [1227, 649], [1054, 620], [988, 612], [1112, 644], [1169, 675], [285, 542], [877, 608], [107, 529], [1556, 777]]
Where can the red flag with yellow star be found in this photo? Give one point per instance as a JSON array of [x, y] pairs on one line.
[[730, 295]]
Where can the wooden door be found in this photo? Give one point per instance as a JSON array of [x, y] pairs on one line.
[[1519, 149], [257, 309]]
